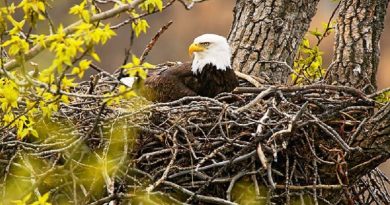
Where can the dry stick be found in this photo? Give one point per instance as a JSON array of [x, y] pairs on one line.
[[380, 92], [310, 187], [165, 174], [260, 153], [48, 152], [85, 95], [189, 6], [8, 167], [254, 179], [366, 162], [184, 131], [182, 100], [260, 126], [270, 178], [372, 190], [232, 183], [111, 188], [269, 196], [211, 155], [284, 63], [383, 182], [105, 199], [223, 111], [313, 150], [229, 162], [208, 199], [357, 131], [315, 182], [291, 125], [262, 157], [154, 40], [100, 70], [248, 78], [382, 113], [129, 20], [330, 131], [350, 90], [42, 177], [147, 155], [215, 165], [292, 172], [287, 180], [382, 176], [256, 100]]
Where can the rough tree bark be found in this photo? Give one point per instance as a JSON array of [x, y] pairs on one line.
[[356, 54], [269, 30], [374, 139], [355, 63]]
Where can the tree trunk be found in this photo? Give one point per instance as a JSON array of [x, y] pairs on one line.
[[355, 62], [374, 139], [356, 52], [269, 30]]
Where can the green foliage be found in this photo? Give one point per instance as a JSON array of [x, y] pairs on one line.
[[383, 97], [43, 88], [42, 200], [135, 68], [139, 26], [83, 66], [34, 10], [244, 192], [308, 65], [81, 11], [151, 5]]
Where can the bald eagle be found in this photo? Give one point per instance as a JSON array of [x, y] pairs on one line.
[[209, 74]]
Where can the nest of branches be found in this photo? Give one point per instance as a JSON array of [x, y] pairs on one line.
[[292, 140], [271, 144]]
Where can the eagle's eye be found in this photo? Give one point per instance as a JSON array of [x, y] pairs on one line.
[[205, 43]]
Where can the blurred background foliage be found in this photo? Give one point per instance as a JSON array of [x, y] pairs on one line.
[[79, 174]]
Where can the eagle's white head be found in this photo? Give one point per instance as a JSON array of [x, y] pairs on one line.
[[210, 49]]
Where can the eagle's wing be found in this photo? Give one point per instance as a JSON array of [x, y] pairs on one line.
[[171, 84]]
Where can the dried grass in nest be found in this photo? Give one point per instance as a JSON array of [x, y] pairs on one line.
[[285, 142]]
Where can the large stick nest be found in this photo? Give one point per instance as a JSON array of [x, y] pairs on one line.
[[274, 144]]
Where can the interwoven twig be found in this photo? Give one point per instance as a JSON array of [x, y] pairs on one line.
[[290, 141]]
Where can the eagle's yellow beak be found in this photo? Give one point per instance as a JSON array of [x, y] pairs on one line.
[[195, 48]]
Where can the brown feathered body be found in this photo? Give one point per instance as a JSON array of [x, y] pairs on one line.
[[213, 81], [169, 84]]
